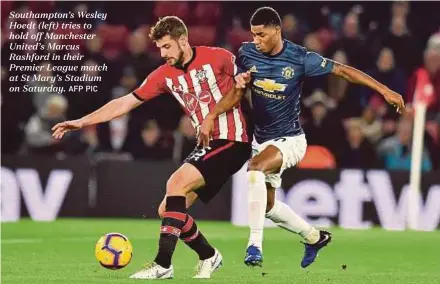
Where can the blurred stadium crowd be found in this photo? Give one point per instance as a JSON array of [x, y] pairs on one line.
[[346, 125]]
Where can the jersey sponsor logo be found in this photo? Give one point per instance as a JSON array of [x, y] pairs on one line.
[[270, 85], [324, 62], [288, 72], [193, 101]]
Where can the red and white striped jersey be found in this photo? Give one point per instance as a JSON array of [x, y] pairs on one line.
[[198, 87]]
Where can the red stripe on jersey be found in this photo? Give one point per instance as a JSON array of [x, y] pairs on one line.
[[191, 92], [231, 126], [244, 136], [199, 116], [216, 131]]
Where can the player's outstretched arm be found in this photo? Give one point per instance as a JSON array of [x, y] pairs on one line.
[[113, 109], [358, 77], [231, 99]]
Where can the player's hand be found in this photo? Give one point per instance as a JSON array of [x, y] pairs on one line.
[[63, 127], [394, 99], [205, 131], [242, 79]]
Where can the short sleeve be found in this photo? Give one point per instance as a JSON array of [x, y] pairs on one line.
[[315, 64], [152, 87], [228, 62], [240, 61]]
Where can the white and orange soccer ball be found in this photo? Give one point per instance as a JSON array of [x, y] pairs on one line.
[[114, 251]]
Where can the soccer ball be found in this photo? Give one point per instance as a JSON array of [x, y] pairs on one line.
[[113, 251]]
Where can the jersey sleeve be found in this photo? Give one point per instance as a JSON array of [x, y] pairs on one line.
[[228, 62], [315, 65], [152, 87], [240, 61]]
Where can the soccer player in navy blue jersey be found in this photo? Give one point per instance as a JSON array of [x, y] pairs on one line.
[[274, 68]]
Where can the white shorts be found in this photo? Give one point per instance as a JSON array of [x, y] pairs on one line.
[[293, 149]]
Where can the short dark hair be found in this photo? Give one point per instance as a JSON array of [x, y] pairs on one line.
[[169, 25], [266, 16]]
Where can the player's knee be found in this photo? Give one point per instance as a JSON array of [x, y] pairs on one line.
[[255, 165], [161, 210], [178, 186], [174, 185]]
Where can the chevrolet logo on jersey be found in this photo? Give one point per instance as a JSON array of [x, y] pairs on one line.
[[270, 85]]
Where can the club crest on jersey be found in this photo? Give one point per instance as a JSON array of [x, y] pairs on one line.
[[201, 76], [287, 72]]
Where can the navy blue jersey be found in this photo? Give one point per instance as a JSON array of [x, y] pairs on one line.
[[276, 86]]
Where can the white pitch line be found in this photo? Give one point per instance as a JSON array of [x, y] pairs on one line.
[[20, 241]]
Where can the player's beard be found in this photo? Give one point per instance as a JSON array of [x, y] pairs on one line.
[[179, 58]]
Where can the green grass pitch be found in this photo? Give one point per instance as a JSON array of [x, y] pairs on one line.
[[63, 252]]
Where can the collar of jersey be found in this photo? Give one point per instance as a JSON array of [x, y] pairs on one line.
[[184, 67], [281, 52]]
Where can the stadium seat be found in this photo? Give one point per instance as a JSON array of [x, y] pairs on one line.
[[236, 37], [326, 37], [41, 6], [433, 129], [202, 35], [73, 31], [114, 39], [207, 13], [6, 8], [144, 29], [151, 47], [179, 9], [317, 157]]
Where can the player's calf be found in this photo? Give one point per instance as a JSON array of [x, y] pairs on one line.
[[192, 236], [270, 197], [256, 207], [173, 220]]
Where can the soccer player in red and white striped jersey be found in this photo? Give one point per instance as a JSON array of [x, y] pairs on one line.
[[198, 77], [198, 85]]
